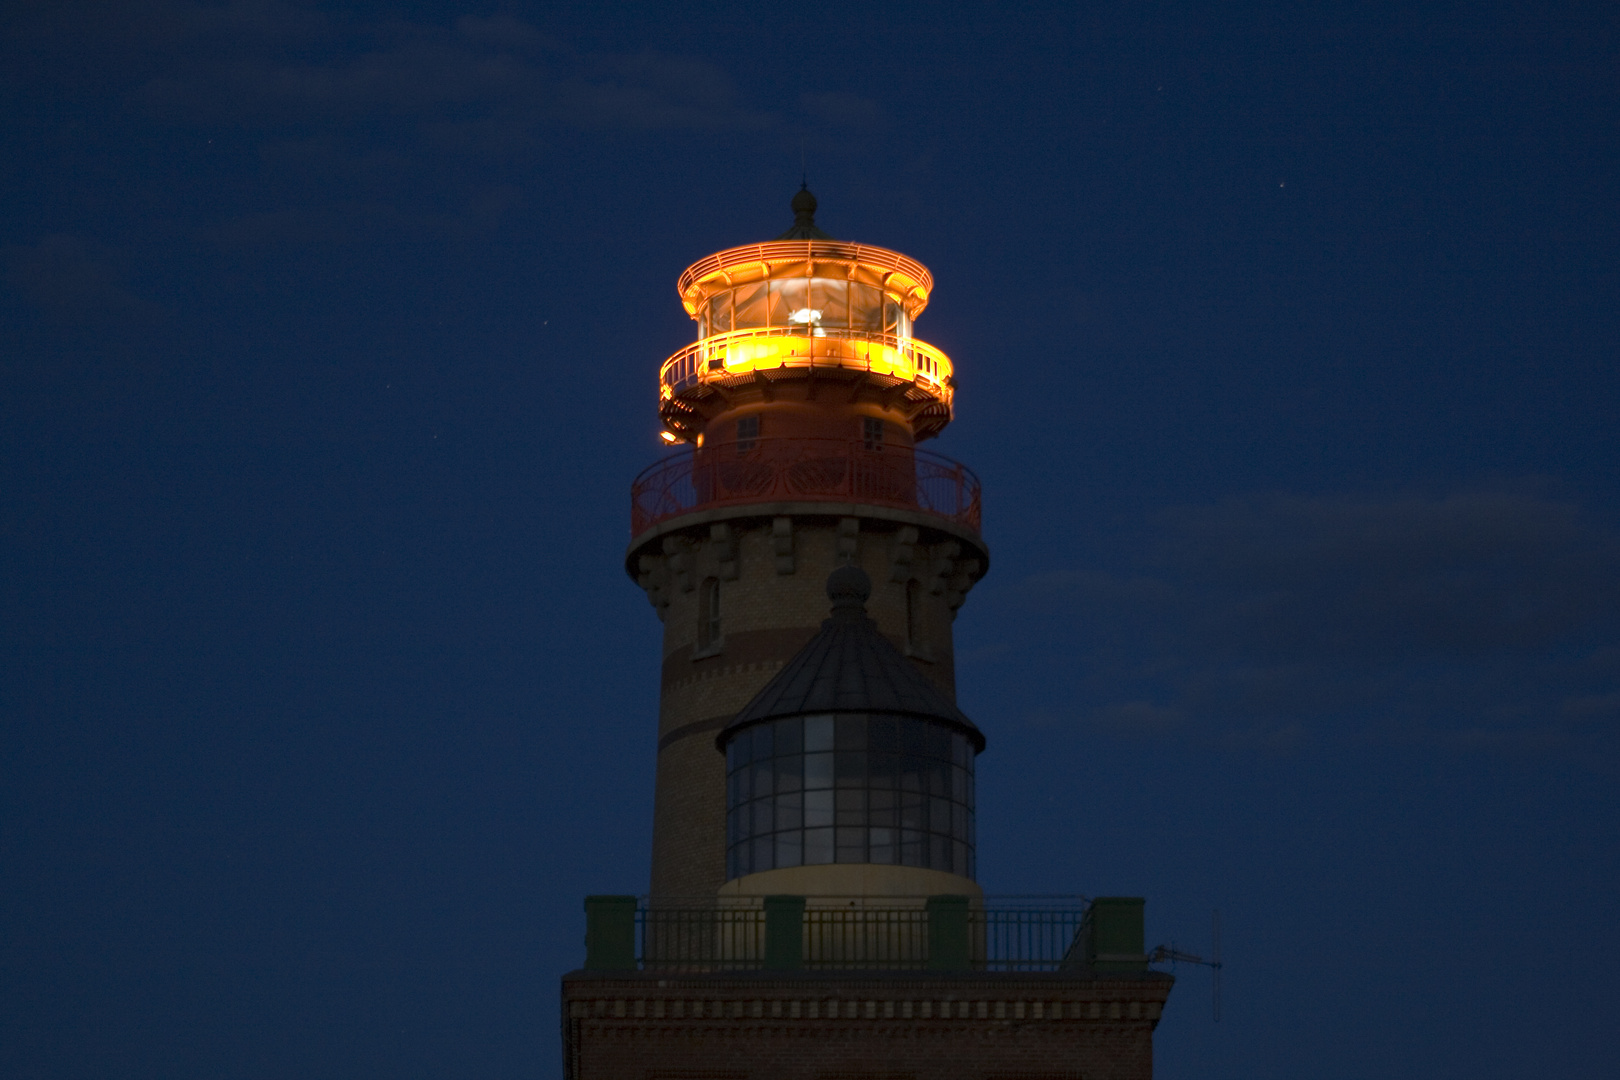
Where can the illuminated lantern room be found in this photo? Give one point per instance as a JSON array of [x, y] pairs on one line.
[[805, 382], [805, 336]]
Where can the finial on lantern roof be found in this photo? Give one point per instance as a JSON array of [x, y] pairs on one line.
[[804, 217]]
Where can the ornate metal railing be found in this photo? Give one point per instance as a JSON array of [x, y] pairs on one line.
[[814, 470], [767, 348], [827, 934]]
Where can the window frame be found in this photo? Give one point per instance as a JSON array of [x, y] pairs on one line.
[[748, 433], [711, 637], [874, 433]]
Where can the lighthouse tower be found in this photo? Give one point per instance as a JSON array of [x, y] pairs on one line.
[[814, 910], [795, 419]]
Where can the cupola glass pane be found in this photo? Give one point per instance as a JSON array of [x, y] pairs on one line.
[[855, 788]]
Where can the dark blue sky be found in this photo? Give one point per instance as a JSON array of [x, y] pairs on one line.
[[1286, 336]]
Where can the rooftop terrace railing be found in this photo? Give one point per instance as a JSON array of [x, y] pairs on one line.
[[942, 933], [812, 470]]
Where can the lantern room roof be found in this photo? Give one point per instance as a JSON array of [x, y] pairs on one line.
[[850, 667], [806, 251]]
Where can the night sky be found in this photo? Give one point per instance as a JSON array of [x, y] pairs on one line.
[[1286, 338]]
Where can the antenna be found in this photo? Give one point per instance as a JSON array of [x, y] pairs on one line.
[[1172, 955], [804, 169]]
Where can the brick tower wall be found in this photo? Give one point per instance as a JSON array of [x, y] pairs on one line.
[[772, 573]]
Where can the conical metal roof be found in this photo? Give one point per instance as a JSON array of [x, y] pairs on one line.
[[804, 218], [849, 667]]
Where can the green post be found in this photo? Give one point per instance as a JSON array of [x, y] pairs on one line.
[[610, 933], [1113, 934], [784, 933], [947, 933]]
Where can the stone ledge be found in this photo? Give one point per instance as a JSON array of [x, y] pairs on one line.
[[805, 509], [834, 995], [949, 1010]]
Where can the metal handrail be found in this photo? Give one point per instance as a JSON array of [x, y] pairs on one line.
[[721, 355], [730, 935], [804, 470]]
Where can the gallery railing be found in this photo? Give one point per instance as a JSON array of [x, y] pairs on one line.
[[815, 470], [942, 933], [739, 352]]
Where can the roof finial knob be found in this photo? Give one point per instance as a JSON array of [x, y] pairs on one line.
[[804, 208], [848, 588]]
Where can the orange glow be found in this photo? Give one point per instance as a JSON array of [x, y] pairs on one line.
[[669, 436], [739, 352]]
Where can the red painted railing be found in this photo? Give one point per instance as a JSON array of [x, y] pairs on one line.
[[804, 470]]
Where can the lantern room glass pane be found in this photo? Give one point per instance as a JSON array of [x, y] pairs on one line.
[[830, 297], [750, 304], [720, 313], [788, 297], [823, 302], [865, 308]]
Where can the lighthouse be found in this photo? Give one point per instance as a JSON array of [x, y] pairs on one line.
[[796, 419], [814, 910]]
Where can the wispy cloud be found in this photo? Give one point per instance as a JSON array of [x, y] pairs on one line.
[[1487, 618], [370, 126], [478, 70]]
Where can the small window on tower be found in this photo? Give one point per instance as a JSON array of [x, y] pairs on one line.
[[709, 636], [872, 432], [916, 647], [747, 433]]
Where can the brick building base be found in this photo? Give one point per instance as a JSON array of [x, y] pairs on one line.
[[845, 1026]]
